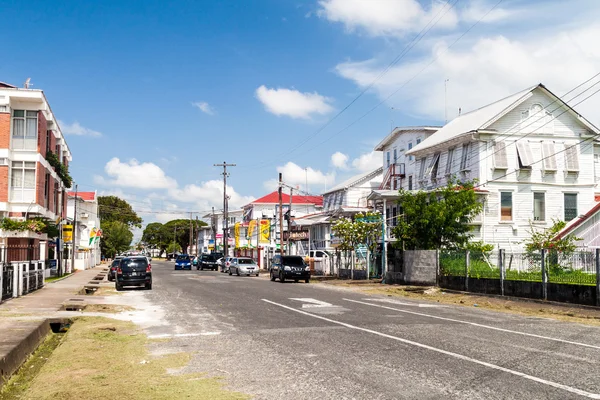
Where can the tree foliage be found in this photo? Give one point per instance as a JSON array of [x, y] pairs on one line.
[[546, 239], [438, 218], [175, 232], [112, 208], [116, 238], [363, 229]]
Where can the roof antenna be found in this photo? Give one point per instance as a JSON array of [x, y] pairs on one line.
[[27, 83], [459, 111]]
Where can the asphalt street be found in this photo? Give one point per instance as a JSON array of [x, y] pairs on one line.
[[314, 341]]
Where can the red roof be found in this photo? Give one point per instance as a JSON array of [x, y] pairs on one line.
[[574, 223], [86, 196], [273, 198]]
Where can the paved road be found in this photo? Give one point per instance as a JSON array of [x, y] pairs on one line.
[[311, 341]]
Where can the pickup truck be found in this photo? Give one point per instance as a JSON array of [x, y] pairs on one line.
[[209, 261]]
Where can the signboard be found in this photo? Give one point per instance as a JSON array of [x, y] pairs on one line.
[[67, 233], [53, 264], [265, 231], [295, 235]]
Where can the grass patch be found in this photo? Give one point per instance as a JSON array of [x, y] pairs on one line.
[[56, 278], [108, 308], [21, 381], [108, 359]]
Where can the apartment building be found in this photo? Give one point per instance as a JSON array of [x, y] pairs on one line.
[[34, 158]]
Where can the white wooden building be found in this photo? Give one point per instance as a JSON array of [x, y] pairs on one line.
[[534, 157]]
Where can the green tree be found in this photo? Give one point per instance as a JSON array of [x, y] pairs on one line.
[[438, 218], [173, 248], [112, 208], [116, 238], [363, 229], [178, 230], [156, 236]]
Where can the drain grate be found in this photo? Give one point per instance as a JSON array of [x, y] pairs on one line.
[[75, 299]]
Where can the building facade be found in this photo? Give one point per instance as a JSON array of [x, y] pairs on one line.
[[86, 231]]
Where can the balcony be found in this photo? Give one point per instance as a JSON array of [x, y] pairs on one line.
[[396, 170]]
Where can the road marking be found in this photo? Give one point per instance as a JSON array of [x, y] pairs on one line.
[[176, 335], [401, 303], [448, 353], [313, 303], [478, 325]]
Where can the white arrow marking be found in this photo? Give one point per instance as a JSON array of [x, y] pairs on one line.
[[313, 303], [400, 303]]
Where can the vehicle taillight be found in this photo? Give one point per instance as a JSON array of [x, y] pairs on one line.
[[119, 270], [149, 268]]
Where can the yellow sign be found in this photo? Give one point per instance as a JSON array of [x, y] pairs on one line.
[[67, 233], [251, 226], [265, 231], [236, 232]]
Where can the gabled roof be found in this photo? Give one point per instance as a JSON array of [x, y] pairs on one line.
[[7, 85], [575, 222], [356, 180], [273, 198], [482, 118], [399, 130], [85, 196]]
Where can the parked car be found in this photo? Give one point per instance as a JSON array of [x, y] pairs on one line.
[[208, 261], [243, 265], [224, 264], [134, 271], [195, 261], [289, 267], [183, 262], [112, 271]]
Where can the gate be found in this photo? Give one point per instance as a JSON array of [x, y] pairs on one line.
[[7, 281]]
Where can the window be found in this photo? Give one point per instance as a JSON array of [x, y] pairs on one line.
[[571, 158], [422, 168], [449, 161], [464, 159], [418, 141], [394, 216], [539, 206], [524, 155], [22, 181], [24, 130], [48, 133], [500, 159], [410, 185], [395, 156], [388, 159], [410, 158], [548, 157], [433, 166], [506, 208], [570, 206]]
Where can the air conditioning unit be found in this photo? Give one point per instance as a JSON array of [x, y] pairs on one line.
[[85, 215]]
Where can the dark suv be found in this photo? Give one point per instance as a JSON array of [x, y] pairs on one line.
[[134, 271], [289, 267], [209, 261]]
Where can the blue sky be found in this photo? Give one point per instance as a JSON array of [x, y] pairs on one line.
[[152, 96]]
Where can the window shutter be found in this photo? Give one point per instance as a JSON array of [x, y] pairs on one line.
[[548, 153], [500, 159], [571, 157], [434, 160], [524, 153]]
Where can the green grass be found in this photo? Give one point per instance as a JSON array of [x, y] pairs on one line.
[[55, 278]]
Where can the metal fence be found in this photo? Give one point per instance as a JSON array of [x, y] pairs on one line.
[[8, 272]]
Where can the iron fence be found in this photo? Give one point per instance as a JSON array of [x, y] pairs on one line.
[[8, 272]]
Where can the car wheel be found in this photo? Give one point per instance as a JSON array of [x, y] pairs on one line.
[[281, 277], [148, 286], [201, 268], [237, 272], [118, 287], [256, 274], [295, 280], [306, 280], [272, 276], [197, 268], [229, 271]]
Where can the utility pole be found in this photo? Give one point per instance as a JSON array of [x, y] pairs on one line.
[[280, 215], [213, 226], [197, 237], [191, 235], [74, 244], [225, 205]]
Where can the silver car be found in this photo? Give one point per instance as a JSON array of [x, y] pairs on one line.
[[243, 266]]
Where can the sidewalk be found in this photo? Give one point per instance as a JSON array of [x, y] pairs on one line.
[[23, 320]]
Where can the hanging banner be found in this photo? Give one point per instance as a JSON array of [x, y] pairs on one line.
[[236, 234], [67, 233], [251, 226], [265, 231], [98, 235], [92, 236]]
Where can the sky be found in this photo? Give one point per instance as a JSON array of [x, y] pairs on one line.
[[152, 95]]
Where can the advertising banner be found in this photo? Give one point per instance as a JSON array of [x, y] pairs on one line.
[[265, 231], [236, 234], [251, 226], [67, 233]]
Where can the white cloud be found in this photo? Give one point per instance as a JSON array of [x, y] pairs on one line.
[[486, 70], [210, 194], [479, 10], [386, 17], [77, 130], [135, 175], [204, 107], [368, 161], [297, 176], [292, 103], [339, 160]]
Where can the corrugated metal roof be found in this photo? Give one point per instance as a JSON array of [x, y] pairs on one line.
[[86, 196], [356, 179], [399, 130], [273, 198]]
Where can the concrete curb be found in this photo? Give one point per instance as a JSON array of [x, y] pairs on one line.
[[13, 360], [60, 279]]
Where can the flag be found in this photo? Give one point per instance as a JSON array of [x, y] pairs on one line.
[[251, 226], [92, 236], [236, 233], [98, 235]]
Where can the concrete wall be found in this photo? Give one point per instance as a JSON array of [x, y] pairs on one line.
[[420, 267]]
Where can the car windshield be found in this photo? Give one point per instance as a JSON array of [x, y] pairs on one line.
[[245, 261], [183, 258], [292, 261], [134, 263]]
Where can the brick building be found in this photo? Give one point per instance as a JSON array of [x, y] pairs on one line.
[[32, 147]]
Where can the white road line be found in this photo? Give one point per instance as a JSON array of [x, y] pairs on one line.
[[448, 353], [176, 335], [313, 303], [478, 325]]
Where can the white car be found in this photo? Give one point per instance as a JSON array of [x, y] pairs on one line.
[[243, 266]]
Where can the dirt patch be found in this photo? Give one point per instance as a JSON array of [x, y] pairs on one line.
[[107, 308], [112, 361], [107, 291], [528, 308]]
